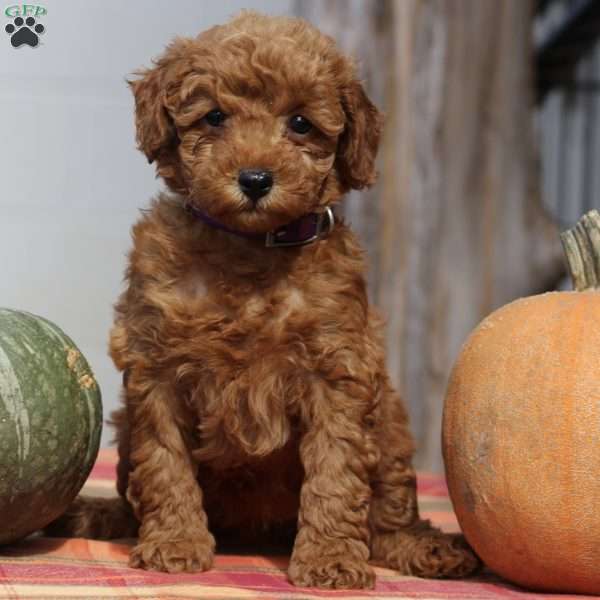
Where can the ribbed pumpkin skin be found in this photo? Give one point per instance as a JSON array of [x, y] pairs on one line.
[[50, 423], [521, 441]]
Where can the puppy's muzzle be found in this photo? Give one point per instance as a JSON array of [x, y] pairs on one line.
[[255, 183]]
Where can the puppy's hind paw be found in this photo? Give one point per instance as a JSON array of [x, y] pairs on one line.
[[443, 556], [424, 551]]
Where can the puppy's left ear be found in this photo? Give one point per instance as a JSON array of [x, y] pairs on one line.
[[359, 142]]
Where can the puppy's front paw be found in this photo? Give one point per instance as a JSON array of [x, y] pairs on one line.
[[173, 555], [334, 572]]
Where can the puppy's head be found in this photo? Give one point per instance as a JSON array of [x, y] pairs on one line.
[[257, 122]]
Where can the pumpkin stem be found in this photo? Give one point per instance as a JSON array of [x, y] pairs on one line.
[[582, 249]]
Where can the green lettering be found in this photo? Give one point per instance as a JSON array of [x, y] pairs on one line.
[[12, 11], [27, 10], [40, 11]]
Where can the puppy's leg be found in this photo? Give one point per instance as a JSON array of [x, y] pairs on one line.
[[162, 489], [332, 544], [400, 540]]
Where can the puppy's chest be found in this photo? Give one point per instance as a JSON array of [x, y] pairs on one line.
[[249, 319], [249, 356]]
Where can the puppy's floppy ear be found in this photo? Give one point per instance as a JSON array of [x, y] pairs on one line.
[[155, 130], [358, 144]]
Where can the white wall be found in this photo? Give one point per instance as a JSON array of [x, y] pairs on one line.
[[71, 180]]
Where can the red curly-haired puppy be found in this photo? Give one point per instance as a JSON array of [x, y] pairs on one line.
[[255, 392]]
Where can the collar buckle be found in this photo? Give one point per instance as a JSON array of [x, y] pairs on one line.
[[323, 226]]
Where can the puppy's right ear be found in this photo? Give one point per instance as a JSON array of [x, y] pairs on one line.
[[154, 128], [154, 91]]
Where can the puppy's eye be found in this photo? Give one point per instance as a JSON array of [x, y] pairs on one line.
[[299, 124], [215, 118]]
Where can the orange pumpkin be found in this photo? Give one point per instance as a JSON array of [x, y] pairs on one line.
[[521, 432]]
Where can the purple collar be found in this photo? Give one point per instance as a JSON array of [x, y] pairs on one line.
[[308, 228]]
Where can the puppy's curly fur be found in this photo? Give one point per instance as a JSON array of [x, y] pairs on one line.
[[256, 398]]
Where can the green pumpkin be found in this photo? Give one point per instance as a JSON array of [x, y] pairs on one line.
[[50, 423]]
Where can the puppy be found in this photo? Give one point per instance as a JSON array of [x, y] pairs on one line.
[[256, 398]]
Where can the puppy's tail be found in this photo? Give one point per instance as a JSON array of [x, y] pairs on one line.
[[96, 518]]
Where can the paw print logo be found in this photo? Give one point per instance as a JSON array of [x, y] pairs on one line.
[[24, 31]]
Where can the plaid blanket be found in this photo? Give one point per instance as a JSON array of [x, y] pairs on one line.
[[76, 568]]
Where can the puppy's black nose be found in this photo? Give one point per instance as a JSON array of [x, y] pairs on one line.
[[255, 183]]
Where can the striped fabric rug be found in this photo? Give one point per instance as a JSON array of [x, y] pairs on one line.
[[45, 568]]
